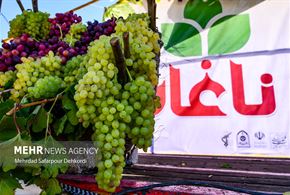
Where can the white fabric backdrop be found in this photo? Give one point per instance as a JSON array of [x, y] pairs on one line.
[[241, 129]]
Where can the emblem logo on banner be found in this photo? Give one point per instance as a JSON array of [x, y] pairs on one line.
[[243, 139], [260, 135], [184, 40]]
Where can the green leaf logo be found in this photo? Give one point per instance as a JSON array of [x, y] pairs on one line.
[[227, 34], [181, 39], [202, 11]]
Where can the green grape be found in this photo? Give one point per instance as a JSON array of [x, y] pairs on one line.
[[46, 87], [75, 33], [35, 24], [74, 70], [17, 25], [30, 71], [5, 77]]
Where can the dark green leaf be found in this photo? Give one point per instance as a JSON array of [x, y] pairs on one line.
[[202, 11], [79, 132], [8, 129], [8, 156], [8, 184], [24, 111], [40, 121], [21, 175], [53, 187], [229, 34], [181, 39], [69, 128], [5, 107], [59, 125], [31, 117], [72, 117], [68, 103], [9, 84]]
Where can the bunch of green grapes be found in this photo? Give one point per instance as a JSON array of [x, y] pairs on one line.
[[114, 110], [46, 87], [35, 24], [74, 70], [134, 17], [144, 46], [75, 33], [17, 25], [5, 77], [97, 97], [140, 94], [32, 70]]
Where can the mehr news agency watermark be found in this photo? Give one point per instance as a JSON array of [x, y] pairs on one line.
[[67, 153]]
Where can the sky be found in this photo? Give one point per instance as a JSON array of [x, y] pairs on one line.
[[10, 9]]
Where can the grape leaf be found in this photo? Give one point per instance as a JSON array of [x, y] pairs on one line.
[[9, 84], [24, 111], [49, 186], [53, 187], [69, 128], [121, 8], [72, 117], [31, 117], [59, 125], [5, 107], [229, 34], [40, 120], [68, 103], [8, 184], [8, 155], [202, 11], [8, 129], [52, 170], [181, 39], [21, 175]]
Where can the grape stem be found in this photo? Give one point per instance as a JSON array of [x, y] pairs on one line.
[[35, 5], [82, 6], [126, 44], [21, 106], [61, 36], [129, 74], [5, 91], [120, 60], [152, 14], [71, 39], [14, 119], [20, 5], [48, 113]]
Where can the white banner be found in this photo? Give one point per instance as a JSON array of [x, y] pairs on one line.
[[224, 81]]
